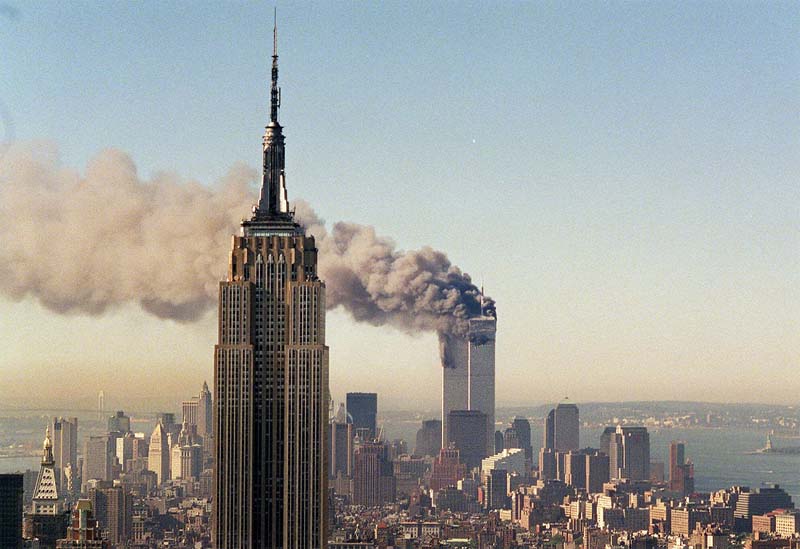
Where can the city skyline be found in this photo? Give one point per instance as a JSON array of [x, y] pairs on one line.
[[653, 200]]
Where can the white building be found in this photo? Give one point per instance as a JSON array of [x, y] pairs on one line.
[[512, 460]]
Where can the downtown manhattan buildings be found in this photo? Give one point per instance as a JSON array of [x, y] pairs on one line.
[[281, 473], [271, 375]]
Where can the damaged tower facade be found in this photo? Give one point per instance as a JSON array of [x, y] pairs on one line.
[[468, 373], [270, 405]]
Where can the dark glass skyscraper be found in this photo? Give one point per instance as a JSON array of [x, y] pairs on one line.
[[523, 428], [271, 375], [468, 434], [11, 511], [363, 408]]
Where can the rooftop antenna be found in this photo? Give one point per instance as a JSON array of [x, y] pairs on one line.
[[275, 93]]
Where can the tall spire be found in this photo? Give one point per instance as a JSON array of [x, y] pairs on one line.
[[273, 203], [275, 91], [47, 447]]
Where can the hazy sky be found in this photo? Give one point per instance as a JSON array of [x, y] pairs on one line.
[[623, 176]]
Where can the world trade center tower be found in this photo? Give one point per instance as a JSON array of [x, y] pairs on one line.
[[271, 375]]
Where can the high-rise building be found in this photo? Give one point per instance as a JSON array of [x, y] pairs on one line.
[[511, 439], [447, 469], [681, 473], [198, 411], [468, 375], [512, 460], [467, 432], [341, 444], [158, 456], [629, 453], [124, 449], [606, 437], [119, 423], [46, 500], [548, 464], [373, 475], [429, 438], [575, 468], [523, 428], [677, 457], [549, 430], [99, 456], [46, 520], [499, 443], [65, 449], [186, 455], [141, 446], [113, 509], [11, 506], [363, 409], [497, 489], [761, 501], [597, 472], [271, 375], [566, 428]]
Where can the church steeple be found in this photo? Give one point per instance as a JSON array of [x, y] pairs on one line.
[[273, 202]]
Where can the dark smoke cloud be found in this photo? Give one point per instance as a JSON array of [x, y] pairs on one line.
[[86, 243]]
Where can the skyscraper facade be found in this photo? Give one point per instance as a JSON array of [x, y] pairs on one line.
[[373, 477], [447, 469], [468, 375], [65, 447], [363, 409], [429, 438], [11, 501], [596, 472], [523, 428], [467, 432], [197, 411], [497, 489], [566, 428], [340, 441], [629, 453], [271, 375], [681, 473], [112, 508], [549, 434], [99, 455], [158, 454]]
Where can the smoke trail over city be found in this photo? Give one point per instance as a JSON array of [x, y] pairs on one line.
[[84, 243]]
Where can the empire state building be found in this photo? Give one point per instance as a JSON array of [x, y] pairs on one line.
[[271, 375]]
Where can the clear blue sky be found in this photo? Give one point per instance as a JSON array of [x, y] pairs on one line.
[[623, 176]]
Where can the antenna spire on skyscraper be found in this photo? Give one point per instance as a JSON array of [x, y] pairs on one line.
[[275, 92], [273, 203]]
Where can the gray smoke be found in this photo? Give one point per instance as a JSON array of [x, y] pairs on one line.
[[86, 243]]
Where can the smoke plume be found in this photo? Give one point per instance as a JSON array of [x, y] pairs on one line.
[[88, 242]]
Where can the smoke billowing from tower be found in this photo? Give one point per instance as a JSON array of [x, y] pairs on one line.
[[114, 238]]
